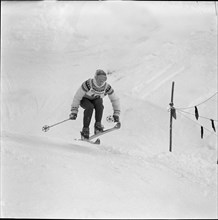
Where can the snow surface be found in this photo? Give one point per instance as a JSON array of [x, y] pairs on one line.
[[48, 49]]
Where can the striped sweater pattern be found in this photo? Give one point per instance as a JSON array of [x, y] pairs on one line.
[[89, 89]]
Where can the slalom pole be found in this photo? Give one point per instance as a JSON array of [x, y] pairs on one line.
[[171, 116], [46, 127]]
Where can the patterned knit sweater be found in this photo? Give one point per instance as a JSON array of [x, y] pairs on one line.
[[89, 89]]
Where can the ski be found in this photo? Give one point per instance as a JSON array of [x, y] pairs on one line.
[[117, 126], [89, 141], [97, 141]]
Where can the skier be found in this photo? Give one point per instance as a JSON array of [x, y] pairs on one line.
[[90, 96]]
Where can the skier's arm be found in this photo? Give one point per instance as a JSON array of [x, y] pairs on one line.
[[83, 89], [115, 101], [76, 100]]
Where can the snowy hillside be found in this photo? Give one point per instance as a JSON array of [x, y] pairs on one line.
[[49, 49]]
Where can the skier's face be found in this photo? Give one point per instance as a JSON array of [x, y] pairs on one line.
[[100, 80]]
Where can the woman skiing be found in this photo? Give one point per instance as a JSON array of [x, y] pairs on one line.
[[90, 96]]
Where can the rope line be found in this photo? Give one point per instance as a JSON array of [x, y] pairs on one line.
[[194, 115], [200, 103], [198, 124]]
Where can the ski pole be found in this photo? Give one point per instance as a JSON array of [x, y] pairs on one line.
[[46, 127]]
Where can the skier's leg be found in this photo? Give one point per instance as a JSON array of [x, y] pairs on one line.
[[98, 105], [87, 116]]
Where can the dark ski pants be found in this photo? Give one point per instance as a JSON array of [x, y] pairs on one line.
[[89, 106]]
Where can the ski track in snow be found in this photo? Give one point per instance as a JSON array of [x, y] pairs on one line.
[[55, 157], [174, 162]]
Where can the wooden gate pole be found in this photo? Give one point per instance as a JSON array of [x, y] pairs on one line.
[[171, 116]]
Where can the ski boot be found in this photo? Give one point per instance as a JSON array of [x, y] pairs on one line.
[[98, 127], [85, 133]]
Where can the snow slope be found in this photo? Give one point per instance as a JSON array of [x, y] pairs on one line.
[[48, 50]]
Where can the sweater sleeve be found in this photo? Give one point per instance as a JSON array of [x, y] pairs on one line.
[[76, 100], [115, 101]]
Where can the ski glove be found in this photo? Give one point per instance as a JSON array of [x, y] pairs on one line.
[[73, 116], [116, 118]]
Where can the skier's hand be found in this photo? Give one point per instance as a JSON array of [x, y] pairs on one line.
[[116, 118], [73, 116]]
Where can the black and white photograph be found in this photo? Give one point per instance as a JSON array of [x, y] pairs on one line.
[[109, 109]]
